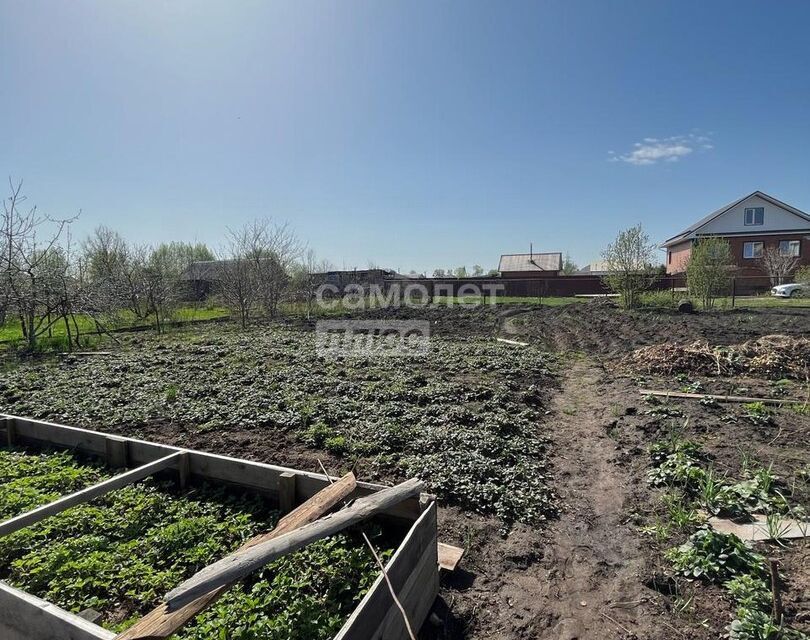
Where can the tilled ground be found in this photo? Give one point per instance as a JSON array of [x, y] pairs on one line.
[[506, 435]]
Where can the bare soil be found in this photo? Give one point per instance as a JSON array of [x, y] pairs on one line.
[[591, 573]]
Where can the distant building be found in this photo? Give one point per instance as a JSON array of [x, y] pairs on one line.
[[356, 277], [530, 265], [598, 268], [751, 225]]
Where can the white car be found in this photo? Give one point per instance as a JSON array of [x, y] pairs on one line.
[[793, 290]]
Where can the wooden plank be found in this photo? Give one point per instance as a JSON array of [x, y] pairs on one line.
[[417, 597], [9, 425], [116, 452], [286, 492], [161, 622], [449, 556], [242, 563], [788, 528], [184, 470], [370, 615], [255, 476], [25, 617], [60, 435], [66, 502], [719, 398], [514, 342]]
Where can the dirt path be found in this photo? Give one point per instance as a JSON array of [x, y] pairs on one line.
[[593, 564], [560, 582]]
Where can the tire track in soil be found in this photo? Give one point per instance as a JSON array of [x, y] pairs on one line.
[[594, 559]]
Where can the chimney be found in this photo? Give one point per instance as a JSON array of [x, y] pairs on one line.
[[531, 253]]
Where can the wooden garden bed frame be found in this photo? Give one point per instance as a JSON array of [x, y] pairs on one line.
[[413, 569]]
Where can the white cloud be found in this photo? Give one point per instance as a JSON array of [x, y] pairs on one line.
[[671, 149]]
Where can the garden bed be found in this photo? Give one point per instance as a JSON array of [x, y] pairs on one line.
[[121, 552]]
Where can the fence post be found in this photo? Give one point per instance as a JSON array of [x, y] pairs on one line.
[[733, 290]]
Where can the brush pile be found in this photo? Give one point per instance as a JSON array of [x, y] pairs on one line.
[[772, 357]]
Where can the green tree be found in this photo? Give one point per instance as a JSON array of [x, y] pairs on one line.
[[630, 259], [709, 270], [802, 276], [569, 267]]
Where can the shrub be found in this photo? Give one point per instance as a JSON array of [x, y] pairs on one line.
[[657, 300], [708, 273], [630, 259]]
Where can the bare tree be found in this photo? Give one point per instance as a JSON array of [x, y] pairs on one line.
[[630, 269], [33, 268], [778, 266], [305, 281], [236, 275]]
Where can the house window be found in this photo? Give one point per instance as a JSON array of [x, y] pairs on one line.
[[754, 216], [669, 257], [752, 250], [789, 247]]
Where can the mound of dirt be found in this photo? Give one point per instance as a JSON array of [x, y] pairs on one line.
[[599, 327], [772, 357]]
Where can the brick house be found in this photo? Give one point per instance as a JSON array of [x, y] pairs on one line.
[[751, 225]]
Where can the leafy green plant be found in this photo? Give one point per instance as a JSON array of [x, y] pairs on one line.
[[758, 413], [120, 553], [717, 557], [676, 462]]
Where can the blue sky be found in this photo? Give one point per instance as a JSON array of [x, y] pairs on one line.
[[411, 134]]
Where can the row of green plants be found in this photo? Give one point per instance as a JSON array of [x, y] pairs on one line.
[[464, 417], [693, 489], [120, 553]]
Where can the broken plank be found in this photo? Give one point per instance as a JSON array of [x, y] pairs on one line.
[[515, 342], [161, 622], [449, 556], [57, 506], [719, 398], [244, 562], [787, 528]]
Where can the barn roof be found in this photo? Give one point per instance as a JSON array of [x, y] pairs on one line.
[[530, 262]]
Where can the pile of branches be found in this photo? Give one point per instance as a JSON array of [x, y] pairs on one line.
[[772, 357]]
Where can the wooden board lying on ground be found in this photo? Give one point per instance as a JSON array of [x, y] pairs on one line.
[[788, 529], [719, 398], [515, 342], [449, 556]]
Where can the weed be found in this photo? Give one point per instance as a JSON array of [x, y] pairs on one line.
[[335, 444], [758, 413], [800, 409], [777, 528], [171, 393], [696, 386]]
